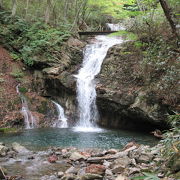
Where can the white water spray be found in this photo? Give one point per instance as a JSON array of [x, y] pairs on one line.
[[62, 120], [94, 55], [29, 119], [115, 27]]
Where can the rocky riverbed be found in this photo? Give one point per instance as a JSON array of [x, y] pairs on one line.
[[19, 163]]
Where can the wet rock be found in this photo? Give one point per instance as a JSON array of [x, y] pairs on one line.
[[75, 156], [3, 150], [96, 169], [52, 159], [89, 176], [131, 144], [60, 174], [19, 149]]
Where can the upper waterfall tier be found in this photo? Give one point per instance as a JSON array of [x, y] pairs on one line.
[[94, 54]]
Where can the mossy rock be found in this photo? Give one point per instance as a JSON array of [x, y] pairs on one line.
[[8, 130]]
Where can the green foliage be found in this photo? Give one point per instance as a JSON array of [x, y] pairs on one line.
[[127, 35], [31, 39], [17, 73], [171, 143], [8, 130], [117, 8], [22, 89], [14, 56], [147, 176]]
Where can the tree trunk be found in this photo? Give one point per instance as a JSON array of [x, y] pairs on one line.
[[168, 14], [47, 13], [1, 4], [14, 7], [26, 9]]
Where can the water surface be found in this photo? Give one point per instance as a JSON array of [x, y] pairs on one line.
[[66, 137]]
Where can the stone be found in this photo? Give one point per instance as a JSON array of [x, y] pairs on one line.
[[19, 149], [131, 144], [72, 170], [30, 157], [123, 161], [145, 158], [2, 144], [111, 151], [101, 159], [52, 159], [118, 169], [131, 148], [120, 177], [96, 169], [52, 70], [134, 170], [68, 177], [89, 176], [60, 174], [108, 172], [82, 172], [107, 163], [3, 150], [76, 156]]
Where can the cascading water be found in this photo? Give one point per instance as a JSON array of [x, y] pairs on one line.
[[115, 27], [29, 119], [94, 55], [62, 120]]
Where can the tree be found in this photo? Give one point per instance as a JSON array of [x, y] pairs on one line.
[[26, 9], [168, 14], [47, 13], [1, 3], [14, 7]]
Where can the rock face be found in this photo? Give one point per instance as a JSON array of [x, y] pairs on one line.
[[126, 97]]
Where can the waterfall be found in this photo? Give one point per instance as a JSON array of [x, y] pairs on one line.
[[94, 55], [115, 27], [29, 119], [62, 120]]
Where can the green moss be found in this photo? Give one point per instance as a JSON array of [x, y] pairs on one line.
[[22, 89], [8, 130]]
